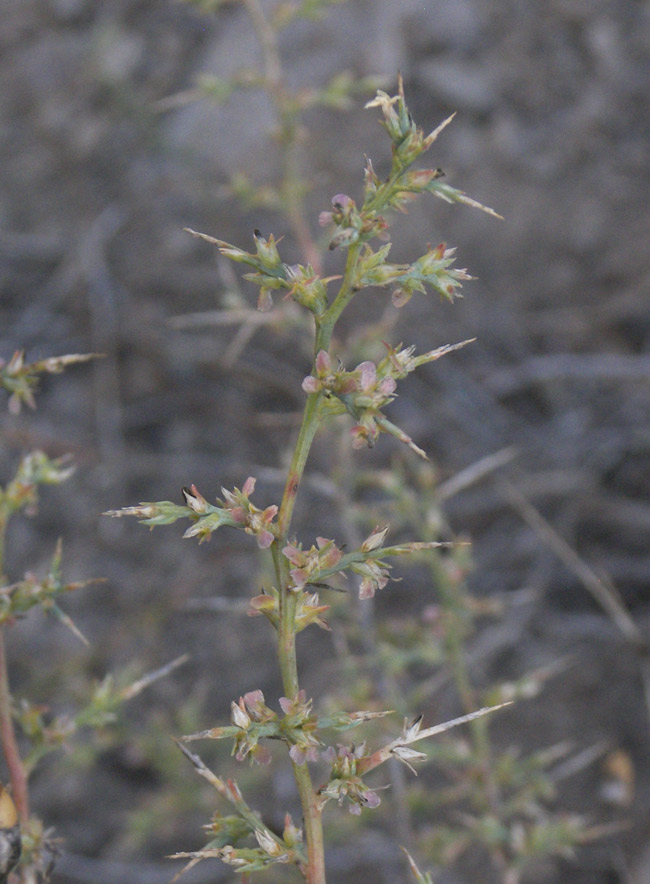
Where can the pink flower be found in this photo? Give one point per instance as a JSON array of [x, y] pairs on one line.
[[249, 486], [342, 201], [311, 384], [368, 376]]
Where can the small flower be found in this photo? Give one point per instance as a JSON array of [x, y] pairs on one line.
[[342, 201], [308, 610], [253, 717], [268, 843], [369, 798], [297, 705], [238, 715], [323, 363], [307, 288], [344, 784], [301, 754], [195, 500], [267, 251], [407, 756], [346, 217], [324, 377], [249, 486], [375, 540], [400, 297], [374, 575], [391, 117], [254, 520], [257, 708], [368, 376], [267, 604], [366, 432]]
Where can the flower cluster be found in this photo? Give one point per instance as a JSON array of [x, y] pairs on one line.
[[326, 559], [235, 510], [35, 469], [374, 575], [17, 598], [432, 270], [308, 609], [366, 390], [20, 378], [253, 720], [352, 225], [408, 140], [241, 511], [230, 830], [309, 564], [361, 392], [356, 225], [299, 728], [299, 281], [344, 784], [307, 288]]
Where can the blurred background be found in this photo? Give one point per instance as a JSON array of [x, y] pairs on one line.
[[106, 156]]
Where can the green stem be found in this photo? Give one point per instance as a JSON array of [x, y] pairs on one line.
[[308, 428], [289, 669], [286, 630], [343, 298], [287, 639]]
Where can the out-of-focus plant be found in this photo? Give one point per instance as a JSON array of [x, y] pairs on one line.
[[501, 802], [304, 571], [289, 106], [28, 731]]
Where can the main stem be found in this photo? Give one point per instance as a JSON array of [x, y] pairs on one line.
[[311, 809], [311, 805]]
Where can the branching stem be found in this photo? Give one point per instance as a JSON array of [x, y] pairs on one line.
[[286, 111]]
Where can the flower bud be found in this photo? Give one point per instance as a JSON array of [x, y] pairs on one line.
[[267, 251], [291, 835]]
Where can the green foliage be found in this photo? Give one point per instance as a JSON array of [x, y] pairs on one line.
[[42, 731]]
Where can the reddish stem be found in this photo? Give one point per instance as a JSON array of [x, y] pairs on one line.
[[15, 765]]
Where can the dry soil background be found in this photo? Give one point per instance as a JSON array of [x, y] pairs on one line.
[[96, 182]]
